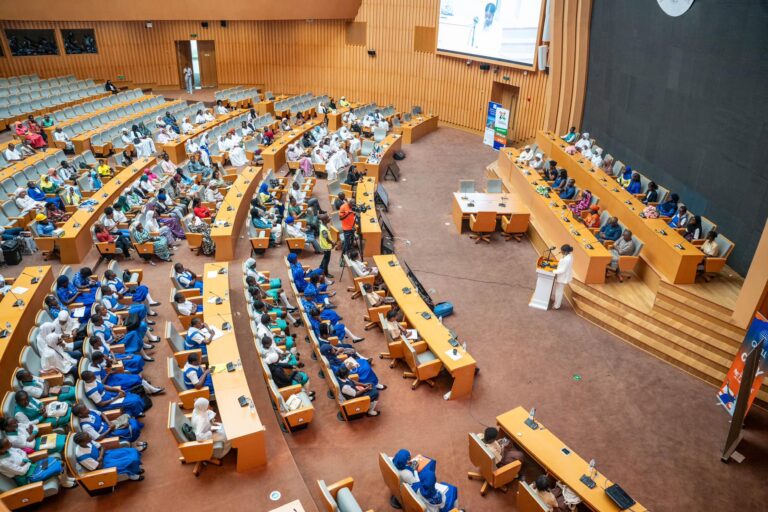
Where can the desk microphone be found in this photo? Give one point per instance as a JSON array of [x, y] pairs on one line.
[[230, 207], [34, 279], [225, 326], [18, 302], [219, 300], [239, 194]]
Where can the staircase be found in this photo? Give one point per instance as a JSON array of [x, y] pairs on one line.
[[687, 331]]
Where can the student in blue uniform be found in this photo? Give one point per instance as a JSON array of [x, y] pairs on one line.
[[108, 397], [132, 363], [126, 381], [96, 425], [194, 375], [440, 497], [68, 294], [91, 455], [187, 278], [198, 336]]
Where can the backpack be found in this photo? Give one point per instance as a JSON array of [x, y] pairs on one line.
[[186, 431]]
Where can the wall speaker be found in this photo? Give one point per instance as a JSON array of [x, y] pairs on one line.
[[485, 67], [223, 23], [204, 24], [542, 58], [372, 52]]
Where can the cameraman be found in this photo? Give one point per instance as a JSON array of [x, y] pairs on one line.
[[347, 218]]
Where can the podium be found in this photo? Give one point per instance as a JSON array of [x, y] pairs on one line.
[[545, 280]]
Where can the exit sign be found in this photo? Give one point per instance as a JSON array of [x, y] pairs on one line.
[[193, 36]]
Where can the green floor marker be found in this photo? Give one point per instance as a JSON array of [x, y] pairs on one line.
[[576, 377]]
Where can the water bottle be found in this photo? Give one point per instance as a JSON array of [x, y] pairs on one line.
[[251, 406]]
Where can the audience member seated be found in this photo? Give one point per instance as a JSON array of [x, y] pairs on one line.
[[409, 468], [634, 186], [98, 426], [438, 497], [551, 494], [108, 397], [40, 388], [568, 191], [693, 228], [610, 232], [27, 438], [503, 450], [652, 194], [583, 204], [15, 465], [353, 389], [92, 456], [570, 136], [680, 219], [29, 410], [710, 247], [206, 427], [185, 306], [195, 377], [199, 336], [624, 246], [669, 207], [187, 278]]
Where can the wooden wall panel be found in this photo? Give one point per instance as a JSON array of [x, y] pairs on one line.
[[299, 56]]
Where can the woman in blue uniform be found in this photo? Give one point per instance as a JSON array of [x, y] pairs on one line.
[[96, 425], [67, 294], [91, 455], [108, 397]]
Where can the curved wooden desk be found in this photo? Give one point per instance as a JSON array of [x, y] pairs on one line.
[[418, 127], [431, 330], [671, 255], [76, 240], [18, 320], [177, 149], [243, 426], [274, 154], [225, 228], [369, 222], [391, 143]]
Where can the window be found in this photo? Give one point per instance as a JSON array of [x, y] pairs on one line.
[[79, 40], [24, 43]]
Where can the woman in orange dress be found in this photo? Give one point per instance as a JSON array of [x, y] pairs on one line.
[[35, 140]]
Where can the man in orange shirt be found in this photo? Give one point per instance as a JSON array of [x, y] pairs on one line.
[[347, 218]]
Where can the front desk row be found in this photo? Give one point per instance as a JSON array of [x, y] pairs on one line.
[[551, 477]]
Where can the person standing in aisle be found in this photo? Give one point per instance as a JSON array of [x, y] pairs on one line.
[[188, 78]]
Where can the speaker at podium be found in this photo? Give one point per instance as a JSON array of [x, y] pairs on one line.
[[545, 281]]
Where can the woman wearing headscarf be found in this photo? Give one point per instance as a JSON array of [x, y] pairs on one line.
[[146, 185], [212, 194], [582, 204], [597, 157], [408, 468], [196, 225], [669, 207], [237, 156], [159, 243], [165, 205], [55, 359], [151, 224], [584, 142], [205, 154], [206, 427], [625, 177], [186, 126], [305, 164], [438, 497], [264, 195], [50, 183], [319, 156], [275, 285], [71, 195], [34, 139]]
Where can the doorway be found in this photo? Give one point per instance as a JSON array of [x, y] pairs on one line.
[[201, 57], [506, 95]]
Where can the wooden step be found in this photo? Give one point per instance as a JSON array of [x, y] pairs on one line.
[[691, 317], [663, 351], [671, 319], [703, 307], [716, 359], [673, 329]]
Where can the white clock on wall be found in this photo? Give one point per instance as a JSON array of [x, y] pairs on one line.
[[675, 7]]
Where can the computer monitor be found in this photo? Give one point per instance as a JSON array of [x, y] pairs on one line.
[[407, 117], [415, 282]]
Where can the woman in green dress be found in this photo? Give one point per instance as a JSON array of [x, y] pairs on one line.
[[160, 245]]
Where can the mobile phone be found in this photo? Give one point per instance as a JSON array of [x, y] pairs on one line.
[[565, 451], [243, 401]]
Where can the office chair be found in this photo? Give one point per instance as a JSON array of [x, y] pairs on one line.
[[482, 225]]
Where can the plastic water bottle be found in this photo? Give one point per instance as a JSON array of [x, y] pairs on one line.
[[251, 406]]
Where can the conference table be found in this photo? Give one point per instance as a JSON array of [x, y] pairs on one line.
[[664, 249], [550, 453], [418, 127], [466, 204], [243, 426], [177, 149], [19, 320], [274, 154], [389, 146], [225, 229], [76, 240], [69, 122], [82, 142], [369, 222], [461, 366], [553, 220]]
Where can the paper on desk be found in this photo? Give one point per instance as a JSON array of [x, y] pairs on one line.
[[212, 300], [219, 368], [79, 312], [453, 356], [217, 333], [19, 290], [212, 274]]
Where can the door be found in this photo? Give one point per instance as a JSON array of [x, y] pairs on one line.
[[506, 95], [183, 59], [206, 52]]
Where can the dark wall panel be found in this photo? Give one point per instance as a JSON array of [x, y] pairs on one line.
[[685, 101]]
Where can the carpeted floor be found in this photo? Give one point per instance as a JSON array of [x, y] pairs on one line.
[[652, 428]]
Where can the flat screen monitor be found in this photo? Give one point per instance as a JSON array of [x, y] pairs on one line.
[[383, 196], [415, 282], [506, 31]]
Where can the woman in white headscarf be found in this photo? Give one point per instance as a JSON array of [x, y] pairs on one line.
[[208, 116], [584, 141], [317, 156], [344, 133], [525, 155], [354, 145], [237, 156], [42, 333], [65, 324], [335, 143], [206, 427], [54, 358], [151, 225], [186, 126], [597, 159], [212, 194]]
